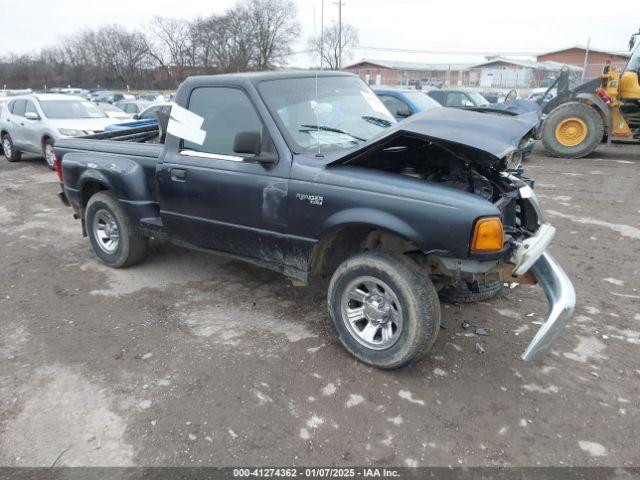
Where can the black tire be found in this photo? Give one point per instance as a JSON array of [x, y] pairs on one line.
[[15, 155], [588, 115], [418, 304], [461, 292], [131, 247], [48, 143]]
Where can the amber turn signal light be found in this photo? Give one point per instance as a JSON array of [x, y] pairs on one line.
[[488, 235]]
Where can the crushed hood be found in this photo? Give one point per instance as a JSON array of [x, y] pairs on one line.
[[477, 136]]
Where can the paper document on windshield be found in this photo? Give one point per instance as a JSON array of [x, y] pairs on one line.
[[186, 125]]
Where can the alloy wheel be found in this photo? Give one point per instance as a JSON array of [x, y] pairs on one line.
[[105, 231], [372, 313]]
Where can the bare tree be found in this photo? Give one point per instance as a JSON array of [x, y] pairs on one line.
[[252, 35], [203, 34], [125, 53], [273, 28], [233, 46], [172, 45], [329, 50]]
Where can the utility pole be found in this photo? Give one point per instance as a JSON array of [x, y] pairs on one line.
[[586, 58], [340, 4], [321, 33]]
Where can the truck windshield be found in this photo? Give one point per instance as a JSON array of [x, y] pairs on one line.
[[344, 113], [70, 109]]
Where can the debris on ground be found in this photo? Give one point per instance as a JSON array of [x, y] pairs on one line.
[[466, 325], [479, 348], [482, 331]]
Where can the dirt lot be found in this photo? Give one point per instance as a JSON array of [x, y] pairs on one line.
[[189, 359]]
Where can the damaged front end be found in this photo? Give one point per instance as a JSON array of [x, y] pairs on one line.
[[528, 262], [479, 154]]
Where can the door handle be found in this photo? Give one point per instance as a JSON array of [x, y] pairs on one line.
[[178, 174]]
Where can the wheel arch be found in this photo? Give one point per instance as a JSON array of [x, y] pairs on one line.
[[44, 139], [346, 239], [88, 187]]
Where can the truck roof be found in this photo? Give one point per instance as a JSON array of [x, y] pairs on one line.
[[257, 77]]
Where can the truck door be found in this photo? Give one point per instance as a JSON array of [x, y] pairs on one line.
[[214, 198]]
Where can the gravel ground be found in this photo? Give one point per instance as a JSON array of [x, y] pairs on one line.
[[190, 359]]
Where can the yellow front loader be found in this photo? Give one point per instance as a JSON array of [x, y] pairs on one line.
[[599, 111]]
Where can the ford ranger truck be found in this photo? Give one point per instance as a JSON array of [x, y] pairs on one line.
[[308, 174]]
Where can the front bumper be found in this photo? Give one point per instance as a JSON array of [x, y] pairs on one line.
[[562, 300], [531, 255]]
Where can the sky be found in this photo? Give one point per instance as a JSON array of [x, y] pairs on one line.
[[439, 31]]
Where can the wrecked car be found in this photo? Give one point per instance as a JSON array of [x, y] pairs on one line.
[[308, 174]]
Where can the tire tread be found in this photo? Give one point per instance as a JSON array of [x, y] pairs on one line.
[[412, 281], [575, 109]]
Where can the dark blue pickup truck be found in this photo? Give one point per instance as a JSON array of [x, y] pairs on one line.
[[308, 174]]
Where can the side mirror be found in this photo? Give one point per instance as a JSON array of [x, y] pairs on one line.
[[247, 143], [32, 116], [404, 113], [136, 117], [250, 143]]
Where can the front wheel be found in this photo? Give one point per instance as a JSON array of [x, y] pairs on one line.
[[111, 232], [48, 153], [9, 149], [384, 309]]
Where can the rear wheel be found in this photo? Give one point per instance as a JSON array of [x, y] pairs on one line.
[[48, 153], [10, 152], [384, 309], [111, 232], [572, 130]]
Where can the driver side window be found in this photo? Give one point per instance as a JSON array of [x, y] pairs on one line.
[[226, 112]]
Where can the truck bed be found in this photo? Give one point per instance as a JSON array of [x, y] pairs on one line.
[[82, 144], [136, 142], [106, 158]]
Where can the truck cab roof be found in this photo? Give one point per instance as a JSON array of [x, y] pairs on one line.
[[257, 77]]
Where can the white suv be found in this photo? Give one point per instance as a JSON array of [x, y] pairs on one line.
[[33, 123]]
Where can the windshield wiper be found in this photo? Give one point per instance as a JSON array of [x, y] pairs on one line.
[[381, 122], [310, 128]]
